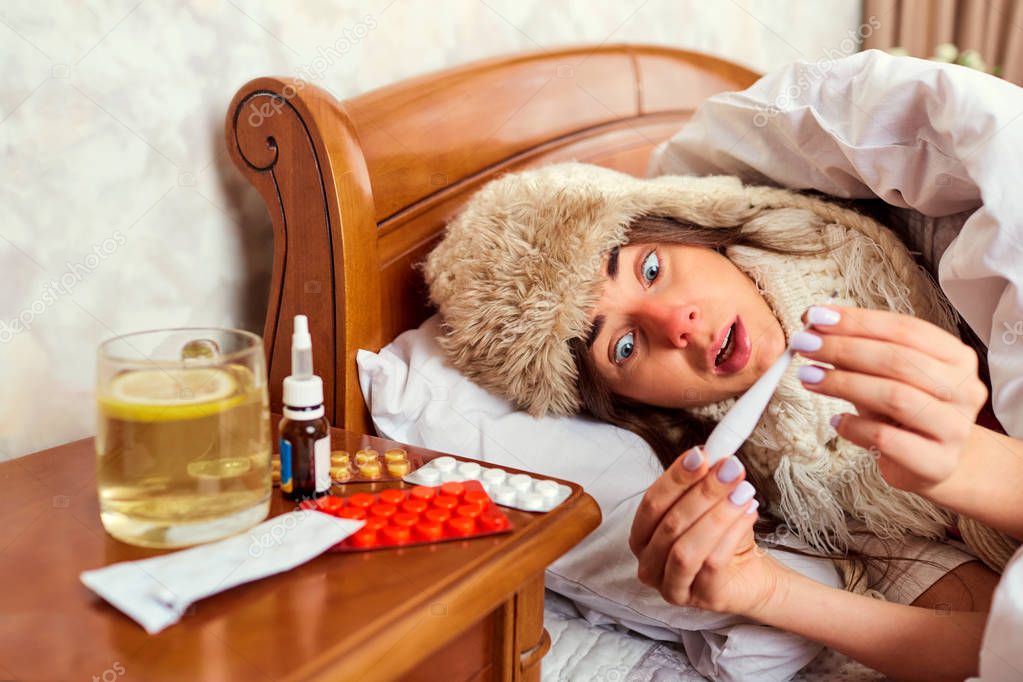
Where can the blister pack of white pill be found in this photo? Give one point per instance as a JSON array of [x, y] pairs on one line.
[[519, 491]]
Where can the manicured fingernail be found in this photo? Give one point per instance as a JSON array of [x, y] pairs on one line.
[[835, 419], [730, 470], [753, 507], [805, 341], [742, 494], [692, 461], [822, 316], [810, 374]]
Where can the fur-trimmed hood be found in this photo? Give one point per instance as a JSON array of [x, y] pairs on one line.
[[520, 269]]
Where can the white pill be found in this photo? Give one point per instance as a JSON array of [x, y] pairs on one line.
[[428, 476], [494, 476], [504, 494], [549, 489], [469, 469], [448, 476], [531, 501], [520, 482], [444, 463]]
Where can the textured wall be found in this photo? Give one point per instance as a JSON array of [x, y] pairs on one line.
[[120, 210]]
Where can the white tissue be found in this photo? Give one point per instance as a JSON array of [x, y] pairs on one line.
[[155, 592]]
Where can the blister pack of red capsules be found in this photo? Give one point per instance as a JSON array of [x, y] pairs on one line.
[[400, 517]]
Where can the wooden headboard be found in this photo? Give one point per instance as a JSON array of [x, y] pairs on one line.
[[359, 190]]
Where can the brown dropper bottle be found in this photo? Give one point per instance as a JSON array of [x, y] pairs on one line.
[[304, 430]]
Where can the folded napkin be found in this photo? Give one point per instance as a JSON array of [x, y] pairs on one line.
[[155, 592]]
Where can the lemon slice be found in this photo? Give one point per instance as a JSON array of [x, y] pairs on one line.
[[156, 395]]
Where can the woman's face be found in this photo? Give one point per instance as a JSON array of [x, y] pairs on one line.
[[666, 312]]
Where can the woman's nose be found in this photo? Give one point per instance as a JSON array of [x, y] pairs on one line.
[[676, 322]]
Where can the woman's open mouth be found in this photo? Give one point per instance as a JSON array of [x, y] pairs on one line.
[[732, 350]]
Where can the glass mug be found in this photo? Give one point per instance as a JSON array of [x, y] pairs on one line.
[[183, 435]]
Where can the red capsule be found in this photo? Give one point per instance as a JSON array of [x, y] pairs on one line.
[[350, 512], [392, 496], [414, 506], [445, 502], [397, 535], [363, 538], [453, 488], [364, 500], [461, 525], [422, 492], [491, 521], [478, 498], [429, 530], [383, 509], [404, 519], [437, 515]]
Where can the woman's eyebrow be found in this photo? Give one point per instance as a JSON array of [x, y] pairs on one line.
[[598, 323], [612, 264]]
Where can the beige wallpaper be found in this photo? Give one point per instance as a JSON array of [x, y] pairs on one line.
[[120, 211]]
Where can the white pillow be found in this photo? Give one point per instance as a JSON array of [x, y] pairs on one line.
[[416, 397]]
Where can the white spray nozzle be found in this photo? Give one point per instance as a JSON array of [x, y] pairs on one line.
[[301, 349]]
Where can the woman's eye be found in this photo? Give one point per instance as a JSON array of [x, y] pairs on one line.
[[624, 344], [651, 264], [650, 268]]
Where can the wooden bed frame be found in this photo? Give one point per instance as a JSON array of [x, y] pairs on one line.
[[359, 190]]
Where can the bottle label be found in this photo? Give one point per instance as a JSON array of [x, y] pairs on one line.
[[287, 482], [321, 456]]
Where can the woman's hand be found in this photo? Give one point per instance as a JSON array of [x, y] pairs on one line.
[[914, 385], [693, 536]]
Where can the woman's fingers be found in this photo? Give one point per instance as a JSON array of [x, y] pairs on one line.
[[906, 405], [905, 330], [722, 481], [686, 470], [738, 539], [690, 553], [883, 359], [922, 458]]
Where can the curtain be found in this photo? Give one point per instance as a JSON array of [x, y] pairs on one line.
[[994, 28]]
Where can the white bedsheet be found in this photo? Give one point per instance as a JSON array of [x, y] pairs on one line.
[[581, 651]]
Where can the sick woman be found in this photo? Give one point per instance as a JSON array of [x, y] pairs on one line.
[[653, 304]]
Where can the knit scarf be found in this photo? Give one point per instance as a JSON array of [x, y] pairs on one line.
[[819, 477]]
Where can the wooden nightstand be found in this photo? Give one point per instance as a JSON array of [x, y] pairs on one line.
[[469, 610]]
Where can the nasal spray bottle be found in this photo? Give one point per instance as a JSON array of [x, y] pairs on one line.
[[305, 434]]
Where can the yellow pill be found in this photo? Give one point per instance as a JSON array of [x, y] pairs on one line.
[[340, 473], [370, 469], [339, 458], [367, 455], [275, 476], [275, 464], [398, 469], [396, 455]]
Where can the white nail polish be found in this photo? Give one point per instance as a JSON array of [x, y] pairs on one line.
[[824, 317]]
